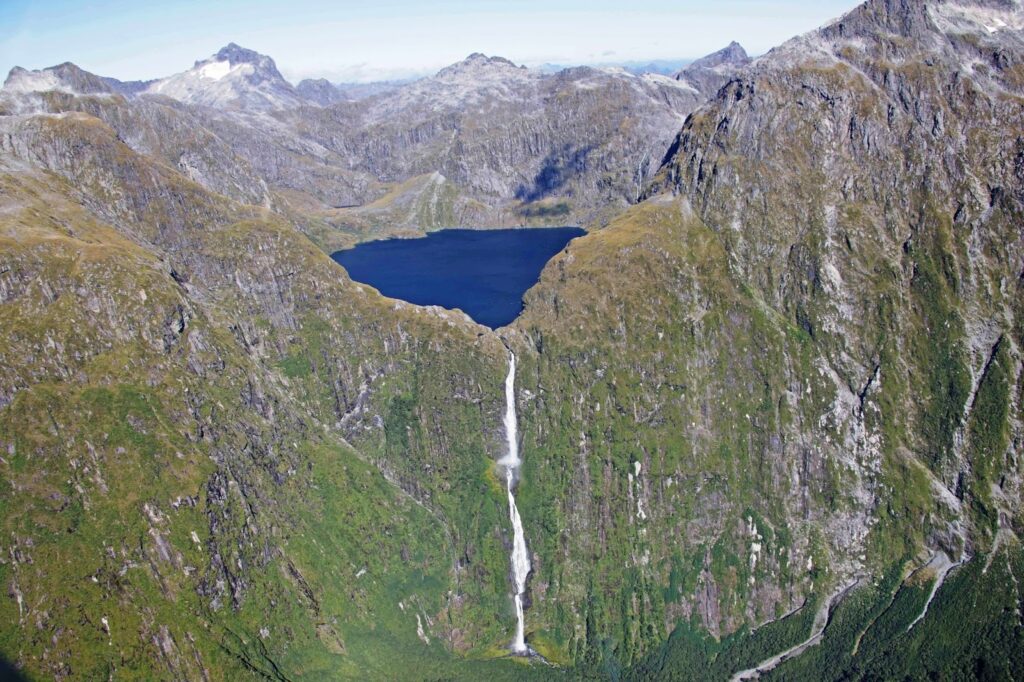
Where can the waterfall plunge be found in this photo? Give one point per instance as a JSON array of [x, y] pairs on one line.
[[511, 463]]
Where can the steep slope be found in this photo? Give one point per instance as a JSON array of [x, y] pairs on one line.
[[184, 380], [893, 239], [799, 360]]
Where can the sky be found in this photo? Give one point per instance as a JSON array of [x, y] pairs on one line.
[[346, 40]]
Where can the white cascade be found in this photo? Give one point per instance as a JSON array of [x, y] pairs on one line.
[[511, 462]]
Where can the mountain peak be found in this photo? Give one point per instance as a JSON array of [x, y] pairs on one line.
[[921, 27], [711, 72], [66, 77], [236, 54], [234, 76], [732, 54], [481, 58], [320, 91], [477, 62], [915, 18]]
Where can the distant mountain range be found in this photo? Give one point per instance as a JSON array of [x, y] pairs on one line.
[[382, 151], [208, 82]]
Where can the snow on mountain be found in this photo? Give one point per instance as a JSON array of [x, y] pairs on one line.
[[66, 77], [233, 78], [21, 81], [972, 34], [992, 17]]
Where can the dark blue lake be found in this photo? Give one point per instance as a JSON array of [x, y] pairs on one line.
[[482, 272]]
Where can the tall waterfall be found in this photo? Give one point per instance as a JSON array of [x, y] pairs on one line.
[[511, 463]]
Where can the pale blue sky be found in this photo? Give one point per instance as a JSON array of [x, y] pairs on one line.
[[346, 40]]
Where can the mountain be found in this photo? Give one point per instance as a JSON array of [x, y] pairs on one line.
[[233, 77], [320, 91], [513, 144], [354, 159], [65, 77], [69, 78], [709, 73], [811, 325], [732, 54], [770, 406]]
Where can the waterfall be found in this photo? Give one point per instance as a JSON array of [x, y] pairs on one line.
[[511, 463]]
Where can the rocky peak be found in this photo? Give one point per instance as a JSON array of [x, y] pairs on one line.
[[234, 54], [320, 91], [234, 76], [66, 77], [471, 82], [919, 20], [711, 72], [888, 32], [732, 54], [477, 63]]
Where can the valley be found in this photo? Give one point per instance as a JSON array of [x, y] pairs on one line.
[[761, 414]]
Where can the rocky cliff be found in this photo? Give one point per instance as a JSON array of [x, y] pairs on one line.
[[798, 362]]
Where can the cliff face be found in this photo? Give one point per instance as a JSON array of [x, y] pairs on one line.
[[866, 180], [798, 362]]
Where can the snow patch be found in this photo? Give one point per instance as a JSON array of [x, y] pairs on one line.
[[34, 81], [638, 493], [956, 17], [215, 70]]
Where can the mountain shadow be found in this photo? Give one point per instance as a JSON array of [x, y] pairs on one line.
[[559, 166]]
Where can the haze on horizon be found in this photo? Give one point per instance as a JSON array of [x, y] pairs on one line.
[[390, 39]]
